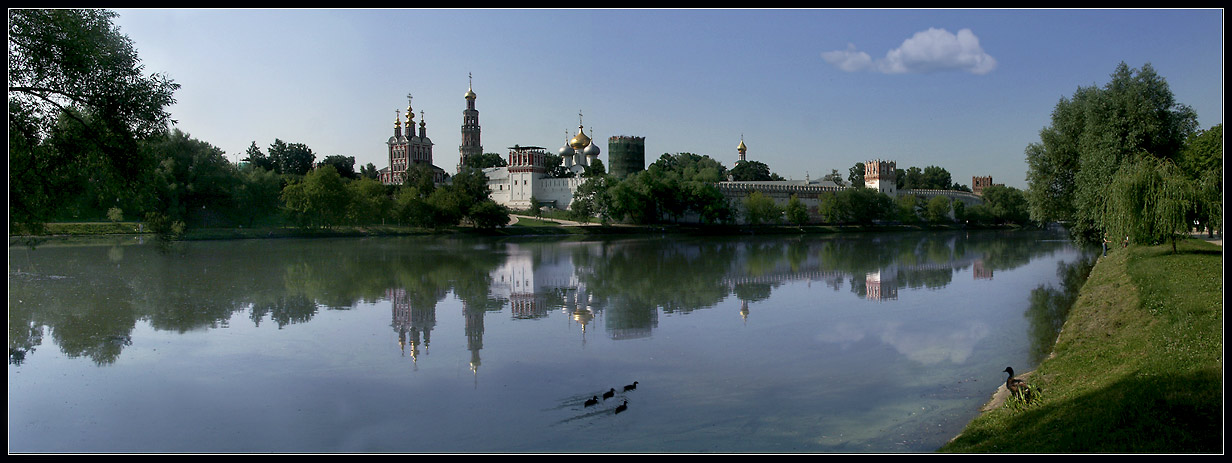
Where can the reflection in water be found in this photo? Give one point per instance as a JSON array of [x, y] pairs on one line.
[[1050, 306], [740, 343], [89, 296]]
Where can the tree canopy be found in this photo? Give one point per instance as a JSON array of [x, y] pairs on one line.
[[753, 171], [72, 71], [1093, 134]]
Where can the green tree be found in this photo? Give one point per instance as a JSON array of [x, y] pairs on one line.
[[411, 207], [759, 208], [74, 67], [908, 208], [194, 182], [536, 209], [369, 201], [1202, 159], [1148, 201], [855, 174], [835, 177], [863, 205], [937, 210], [448, 206], [936, 178], [256, 196], [256, 158], [420, 176], [752, 171], [708, 202], [369, 171], [692, 167], [829, 209], [1092, 135], [486, 160], [319, 200], [115, 214], [1006, 204], [960, 210], [594, 169], [488, 215], [345, 165], [796, 211], [591, 200], [291, 158], [909, 179]]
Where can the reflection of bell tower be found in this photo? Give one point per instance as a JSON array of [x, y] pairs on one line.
[[744, 310], [474, 335], [411, 323]]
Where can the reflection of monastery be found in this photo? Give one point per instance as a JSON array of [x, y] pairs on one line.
[[534, 281], [526, 176]]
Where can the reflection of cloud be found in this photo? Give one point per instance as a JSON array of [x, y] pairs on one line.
[[926, 51], [914, 341], [934, 347], [843, 334]]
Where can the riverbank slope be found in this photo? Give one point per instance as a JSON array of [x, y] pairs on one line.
[[1137, 367]]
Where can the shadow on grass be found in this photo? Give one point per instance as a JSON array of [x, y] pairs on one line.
[[1139, 414]]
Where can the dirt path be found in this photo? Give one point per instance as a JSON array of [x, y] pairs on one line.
[[513, 218]]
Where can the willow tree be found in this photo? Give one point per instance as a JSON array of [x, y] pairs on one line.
[[1148, 201]]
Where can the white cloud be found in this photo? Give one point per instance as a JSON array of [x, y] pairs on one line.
[[848, 60], [926, 51]]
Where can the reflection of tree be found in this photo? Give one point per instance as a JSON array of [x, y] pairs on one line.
[[91, 296], [1050, 306], [89, 317], [752, 292], [645, 275], [294, 308]]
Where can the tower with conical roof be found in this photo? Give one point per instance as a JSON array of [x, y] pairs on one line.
[[471, 147]]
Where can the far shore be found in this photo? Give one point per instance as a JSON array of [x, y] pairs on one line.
[[519, 225]]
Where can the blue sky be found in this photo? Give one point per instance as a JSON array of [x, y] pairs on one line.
[[808, 90]]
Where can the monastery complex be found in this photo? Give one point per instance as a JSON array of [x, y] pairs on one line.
[[525, 174]]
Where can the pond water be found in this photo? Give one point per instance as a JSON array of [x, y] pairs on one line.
[[839, 343]]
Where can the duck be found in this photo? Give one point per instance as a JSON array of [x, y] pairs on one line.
[[631, 386], [1016, 386], [622, 407], [591, 401], [610, 392]]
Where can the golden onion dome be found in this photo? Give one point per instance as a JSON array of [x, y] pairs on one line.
[[580, 140], [741, 148], [470, 94]]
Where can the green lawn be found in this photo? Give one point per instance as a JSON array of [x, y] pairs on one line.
[[1138, 367]]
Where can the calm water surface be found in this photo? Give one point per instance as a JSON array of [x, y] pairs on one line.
[[844, 343]]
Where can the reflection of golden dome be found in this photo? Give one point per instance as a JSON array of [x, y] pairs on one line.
[[580, 140]]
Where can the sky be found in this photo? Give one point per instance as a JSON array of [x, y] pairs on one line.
[[807, 90]]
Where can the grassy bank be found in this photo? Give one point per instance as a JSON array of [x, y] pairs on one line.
[[1137, 368]]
